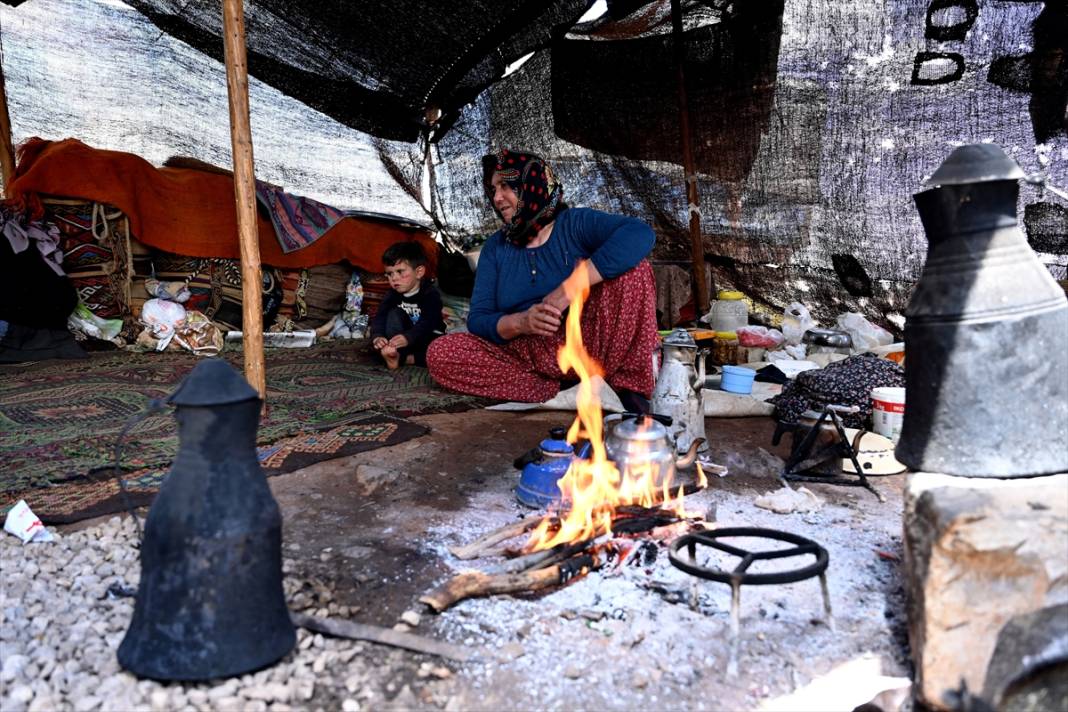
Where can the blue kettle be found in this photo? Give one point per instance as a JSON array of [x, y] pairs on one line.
[[542, 467]]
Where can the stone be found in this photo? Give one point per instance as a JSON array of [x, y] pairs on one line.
[[350, 705], [978, 551], [411, 618], [270, 691]]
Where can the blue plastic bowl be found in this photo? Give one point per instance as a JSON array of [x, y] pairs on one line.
[[737, 379]]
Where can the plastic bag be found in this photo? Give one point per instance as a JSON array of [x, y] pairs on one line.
[[199, 335], [759, 337], [866, 336], [162, 317], [174, 291], [86, 322], [796, 320]]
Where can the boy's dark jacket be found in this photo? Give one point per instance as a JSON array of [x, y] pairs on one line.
[[427, 299]]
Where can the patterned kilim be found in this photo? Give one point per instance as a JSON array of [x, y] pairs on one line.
[[59, 421]]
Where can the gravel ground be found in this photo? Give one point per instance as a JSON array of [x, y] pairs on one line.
[[59, 632]]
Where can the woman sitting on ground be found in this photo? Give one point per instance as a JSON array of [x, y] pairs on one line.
[[518, 303]]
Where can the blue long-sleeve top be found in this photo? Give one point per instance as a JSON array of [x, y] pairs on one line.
[[511, 279]]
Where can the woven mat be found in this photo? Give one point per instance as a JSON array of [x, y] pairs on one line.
[[59, 420]]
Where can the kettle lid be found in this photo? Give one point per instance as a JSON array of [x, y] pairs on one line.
[[641, 428], [976, 163], [556, 443], [680, 338]]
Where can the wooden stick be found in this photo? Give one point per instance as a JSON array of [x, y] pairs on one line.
[[472, 584], [383, 636], [540, 559], [7, 149], [475, 583], [697, 247], [244, 194], [476, 548]]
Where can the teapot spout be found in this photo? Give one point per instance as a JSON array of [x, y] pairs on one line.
[[691, 455]]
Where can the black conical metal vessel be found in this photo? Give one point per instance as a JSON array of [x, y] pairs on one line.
[[986, 333], [210, 602]]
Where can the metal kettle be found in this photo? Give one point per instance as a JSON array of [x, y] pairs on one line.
[[640, 442], [678, 391]]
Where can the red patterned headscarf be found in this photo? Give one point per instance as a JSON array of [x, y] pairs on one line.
[[540, 193]]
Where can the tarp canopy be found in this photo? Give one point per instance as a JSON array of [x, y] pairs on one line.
[[814, 122], [375, 66]]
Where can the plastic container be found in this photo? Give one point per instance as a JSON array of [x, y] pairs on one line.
[[725, 348], [737, 379], [729, 312], [888, 411]]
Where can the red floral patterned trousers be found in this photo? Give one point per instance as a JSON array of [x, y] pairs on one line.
[[618, 330]]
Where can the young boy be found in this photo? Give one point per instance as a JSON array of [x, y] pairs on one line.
[[409, 318]]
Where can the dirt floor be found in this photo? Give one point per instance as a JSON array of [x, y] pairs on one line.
[[374, 530]]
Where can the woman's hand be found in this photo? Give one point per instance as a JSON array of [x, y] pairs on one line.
[[379, 342], [399, 341], [541, 320]]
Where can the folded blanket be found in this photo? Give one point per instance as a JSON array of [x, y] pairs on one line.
[[190, 212]]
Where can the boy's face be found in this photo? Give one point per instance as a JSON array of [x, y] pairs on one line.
[[403, 277]]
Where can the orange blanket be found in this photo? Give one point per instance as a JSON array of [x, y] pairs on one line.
[[189, 212]]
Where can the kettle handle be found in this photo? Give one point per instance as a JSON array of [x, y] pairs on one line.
[[699, 381]]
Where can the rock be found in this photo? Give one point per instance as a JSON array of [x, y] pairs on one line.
[[13, 666], [350, 705], [402, 627], [411, 618], [21, 694], [573, 672], [977, 553], [269, 692], [353, 682], [513, 651], [229, 704]]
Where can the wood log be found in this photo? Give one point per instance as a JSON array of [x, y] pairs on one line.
[[472, 584], [244, 194], [540, 559], [383, 636], [481, 546]]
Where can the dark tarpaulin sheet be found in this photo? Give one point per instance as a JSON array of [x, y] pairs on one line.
[[806, 179], [374, 66]]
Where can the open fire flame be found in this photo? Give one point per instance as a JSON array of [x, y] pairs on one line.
[[594, 488]]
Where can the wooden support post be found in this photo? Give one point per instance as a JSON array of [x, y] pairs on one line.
[[7, 150], [245, 193], [696, 244]]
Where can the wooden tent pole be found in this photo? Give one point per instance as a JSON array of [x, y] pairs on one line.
[[696, 243], [245, 193], [7, 150]]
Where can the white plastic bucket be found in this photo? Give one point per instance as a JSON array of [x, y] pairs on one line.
[[888, 411]]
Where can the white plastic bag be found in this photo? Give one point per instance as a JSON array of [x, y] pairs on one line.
[[161, 316], [866, 336], [796, 320]]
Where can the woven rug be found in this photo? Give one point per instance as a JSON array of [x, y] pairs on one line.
[[59, 421]]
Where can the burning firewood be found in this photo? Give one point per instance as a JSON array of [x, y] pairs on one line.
[[473, 584], [486, 543]]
